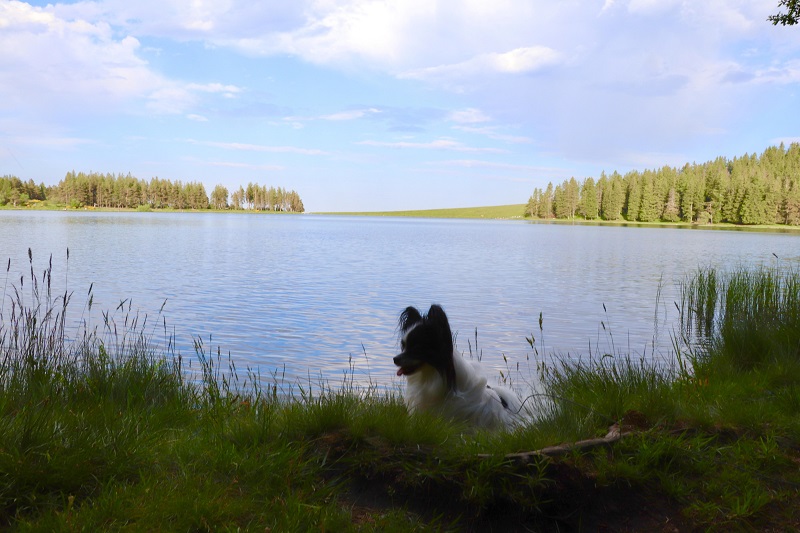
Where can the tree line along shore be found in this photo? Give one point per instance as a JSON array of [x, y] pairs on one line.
[[748, 190], [120, 191], [751, 189]]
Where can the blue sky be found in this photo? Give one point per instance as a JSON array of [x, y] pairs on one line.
[[390, 104]]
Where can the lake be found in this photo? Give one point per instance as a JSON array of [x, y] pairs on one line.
[[312, 295]]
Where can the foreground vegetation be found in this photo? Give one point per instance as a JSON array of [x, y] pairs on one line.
[[107, 428]]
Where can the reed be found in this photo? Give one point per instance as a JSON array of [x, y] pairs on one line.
[[106, 427], [748, 318]]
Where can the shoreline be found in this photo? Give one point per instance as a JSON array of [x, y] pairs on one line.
[[501, 212]]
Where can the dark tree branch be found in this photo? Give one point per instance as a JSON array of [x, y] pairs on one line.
[[792, 15]]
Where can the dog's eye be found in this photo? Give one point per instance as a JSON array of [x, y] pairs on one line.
[[403, 345]]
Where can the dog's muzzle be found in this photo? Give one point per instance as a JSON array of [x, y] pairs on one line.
[[407, 364]]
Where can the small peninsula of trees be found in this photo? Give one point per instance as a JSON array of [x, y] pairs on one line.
[[750, 189], [79, 189], [14, 191]]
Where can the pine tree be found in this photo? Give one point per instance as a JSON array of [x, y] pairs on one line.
[[532, 208], [613, 197], [219, 197], [546, 206], [572, 196], [651, 205], [588, 200], [633, 195]]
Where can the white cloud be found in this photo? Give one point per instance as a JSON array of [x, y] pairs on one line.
[[170, 99], [63, 60], [53, 61], [517, 61], [439, 144], [350, 115], [228, 91], [493, 133], [258, 147], [235, 164], [196, 19], [476, 163], [386, 35], [609, 4], [654, 159], [339, 116], [785, 140], [652, 6], [468, 116], [787, 73], [51, 142], [522, 60]]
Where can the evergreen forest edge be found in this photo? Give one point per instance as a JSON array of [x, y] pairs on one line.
[[748, 190], [109, 191]]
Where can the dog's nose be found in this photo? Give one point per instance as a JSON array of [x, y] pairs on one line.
[[396, 359]]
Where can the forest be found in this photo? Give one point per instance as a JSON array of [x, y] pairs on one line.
[[752, 189], [120, 191]]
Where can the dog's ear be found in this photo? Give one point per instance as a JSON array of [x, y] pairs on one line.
[[408, 318], [437, 317]]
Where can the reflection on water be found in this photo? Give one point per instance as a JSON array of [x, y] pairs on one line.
[[315, 295]]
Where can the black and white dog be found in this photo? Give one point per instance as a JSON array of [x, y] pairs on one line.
[[439, 379]]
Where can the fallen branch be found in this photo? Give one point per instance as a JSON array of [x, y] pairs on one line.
[[614, 434]]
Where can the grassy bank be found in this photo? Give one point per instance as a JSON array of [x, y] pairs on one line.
[[514, 211], [108, 429]]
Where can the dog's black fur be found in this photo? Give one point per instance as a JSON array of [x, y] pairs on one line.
[[439, 379], [426, 339]]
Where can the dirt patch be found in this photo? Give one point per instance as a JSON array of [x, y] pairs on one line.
[[568, 499], [570, 502], [580, 504]]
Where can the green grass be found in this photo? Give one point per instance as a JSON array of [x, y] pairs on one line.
[[107, 429], [489, 212], [517, 211]]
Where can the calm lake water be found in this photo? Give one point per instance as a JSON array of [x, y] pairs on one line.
[[308, 293]]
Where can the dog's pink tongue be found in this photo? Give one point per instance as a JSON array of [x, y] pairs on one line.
[[400, 371]]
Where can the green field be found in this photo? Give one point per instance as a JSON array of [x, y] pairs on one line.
[[488, 212]]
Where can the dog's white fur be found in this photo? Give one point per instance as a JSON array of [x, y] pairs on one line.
[[470, 399]]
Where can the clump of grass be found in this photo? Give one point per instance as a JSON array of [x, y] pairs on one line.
[[699, 296], [759, 319], [751, 360], [717, 429], [590, 395]]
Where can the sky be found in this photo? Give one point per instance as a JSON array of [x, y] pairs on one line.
[[362, 105]]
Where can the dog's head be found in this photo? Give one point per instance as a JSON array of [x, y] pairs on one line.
[[426, 340]]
